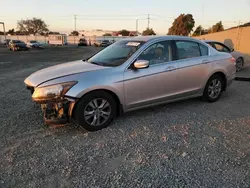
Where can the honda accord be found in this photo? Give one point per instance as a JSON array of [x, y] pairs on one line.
[[130, 74]]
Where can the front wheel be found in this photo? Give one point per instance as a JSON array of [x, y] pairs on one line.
[[214, 88], [95, 111]]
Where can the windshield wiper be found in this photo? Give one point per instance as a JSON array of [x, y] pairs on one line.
[[95, 63]]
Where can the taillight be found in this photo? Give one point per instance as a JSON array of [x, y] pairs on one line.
[[232, 60]]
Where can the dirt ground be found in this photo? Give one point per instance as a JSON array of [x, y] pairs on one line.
[[185, 144]]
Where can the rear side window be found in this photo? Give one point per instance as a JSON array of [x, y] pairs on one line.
[[187, 49], [221, 47], [204, 50]]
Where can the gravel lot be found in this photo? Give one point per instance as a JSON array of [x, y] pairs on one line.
[[184, 144]]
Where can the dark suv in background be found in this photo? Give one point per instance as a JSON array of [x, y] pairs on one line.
[[105, 43], [82, 42], [17, 45]]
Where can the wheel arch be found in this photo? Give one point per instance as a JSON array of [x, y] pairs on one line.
[[243, 60], [224, 77], [113, 94]]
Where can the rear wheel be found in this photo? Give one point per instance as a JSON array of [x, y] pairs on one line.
[[214, 88], [95, 111], [239, 64]]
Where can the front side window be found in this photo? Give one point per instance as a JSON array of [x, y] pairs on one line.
[[221, 48], [157, 53], [116, 54], [187, 49]]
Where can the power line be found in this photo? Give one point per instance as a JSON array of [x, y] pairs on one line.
[[112, 15], [112, 19], [75, 26], [161, 20]]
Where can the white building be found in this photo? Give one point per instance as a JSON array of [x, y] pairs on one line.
[[94, 32]]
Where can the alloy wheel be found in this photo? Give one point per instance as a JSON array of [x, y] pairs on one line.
[[97, 112], [214, 88], [239, 64]]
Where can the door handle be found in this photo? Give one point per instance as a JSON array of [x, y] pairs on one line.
[[206, 61]]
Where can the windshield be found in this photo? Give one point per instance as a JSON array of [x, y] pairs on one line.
[[33, 41], [116, 54], [17, 41]]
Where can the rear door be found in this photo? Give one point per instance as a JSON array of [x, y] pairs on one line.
[[193, 63]]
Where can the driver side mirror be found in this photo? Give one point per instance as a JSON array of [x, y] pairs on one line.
[[141, 64]]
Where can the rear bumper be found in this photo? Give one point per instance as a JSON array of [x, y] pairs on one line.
[[82, 44]]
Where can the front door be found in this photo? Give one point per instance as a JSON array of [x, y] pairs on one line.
[[152, 85]]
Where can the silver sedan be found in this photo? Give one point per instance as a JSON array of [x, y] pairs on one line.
[[240, 60], [130, 74]]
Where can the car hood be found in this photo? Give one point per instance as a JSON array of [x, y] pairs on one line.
[[59, 71]]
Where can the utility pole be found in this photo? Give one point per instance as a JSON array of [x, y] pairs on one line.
[[136, 26], [148, 20], [75, 27], [202, 14], [3, 30], [239, 35]]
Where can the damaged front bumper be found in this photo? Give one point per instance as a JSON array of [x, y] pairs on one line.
[[56, 111]]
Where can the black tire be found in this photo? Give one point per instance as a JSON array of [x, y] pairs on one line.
[[239, 64], [207, 94], [82, 105]]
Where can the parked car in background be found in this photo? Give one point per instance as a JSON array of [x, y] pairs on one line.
[[97, 43], [105, 43], [6, 42], [34, 44], [17, 45], [240, 61], [83, 42], [132, 73], [112, 41]]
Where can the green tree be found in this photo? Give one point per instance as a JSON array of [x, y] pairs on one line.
[[209, 30], [217, 27], [148, 31], [20, 33], [124, 32], [182, 25], [32, 26], [74, 33], [11, 32], [199, 31], [107, 34]]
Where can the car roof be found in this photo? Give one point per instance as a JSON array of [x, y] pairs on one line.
[[210, 41], [167, 37]]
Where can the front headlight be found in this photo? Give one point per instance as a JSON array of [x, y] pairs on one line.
[[52, 92]]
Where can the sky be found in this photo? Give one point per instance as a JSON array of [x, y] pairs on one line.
[[117, 14]]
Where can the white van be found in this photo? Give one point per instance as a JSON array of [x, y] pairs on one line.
[[59, 39]]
